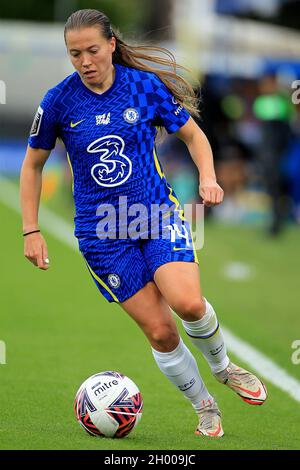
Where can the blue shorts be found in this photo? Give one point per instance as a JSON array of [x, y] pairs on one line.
[[120, 268]]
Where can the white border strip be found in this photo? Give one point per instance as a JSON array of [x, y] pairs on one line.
[[63, 231]]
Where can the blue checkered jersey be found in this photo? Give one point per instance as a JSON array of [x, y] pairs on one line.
[[109, 139]]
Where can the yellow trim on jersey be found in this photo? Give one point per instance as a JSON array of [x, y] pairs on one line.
[[71, 169], [157, 165], [102, 283], [195, 252], [172, 198]]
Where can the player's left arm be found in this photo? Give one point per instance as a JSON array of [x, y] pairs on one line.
[[201, 153]]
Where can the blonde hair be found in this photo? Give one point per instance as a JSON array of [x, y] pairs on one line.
[[135, 55]]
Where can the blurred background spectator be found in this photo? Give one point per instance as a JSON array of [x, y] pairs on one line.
[[246, 56]]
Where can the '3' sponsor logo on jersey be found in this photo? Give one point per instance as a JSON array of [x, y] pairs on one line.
[[114, 167]]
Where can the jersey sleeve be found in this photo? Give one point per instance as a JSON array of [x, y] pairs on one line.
[[44, 129], [168, 112]]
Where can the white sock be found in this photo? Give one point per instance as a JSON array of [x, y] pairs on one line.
[[180, 367], [207, 336]]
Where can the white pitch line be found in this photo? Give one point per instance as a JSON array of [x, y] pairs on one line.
[[263, 365], [63, 231], [52, 223]]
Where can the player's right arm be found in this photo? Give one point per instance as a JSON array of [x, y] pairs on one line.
[[35, 248]]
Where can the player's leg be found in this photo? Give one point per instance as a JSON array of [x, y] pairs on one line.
[[152, 314], [131, 287], [179, 283]]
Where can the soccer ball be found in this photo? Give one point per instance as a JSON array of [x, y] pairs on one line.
[[108, 404]]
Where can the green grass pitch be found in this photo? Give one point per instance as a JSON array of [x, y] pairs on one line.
[[58, 331]]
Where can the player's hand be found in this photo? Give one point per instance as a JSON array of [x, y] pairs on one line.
[[35, 250], [211, 193]]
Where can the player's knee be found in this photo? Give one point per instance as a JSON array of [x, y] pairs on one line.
[[164, 338], [191, 309]]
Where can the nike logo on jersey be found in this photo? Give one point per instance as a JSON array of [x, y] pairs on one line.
[[177, 249], [74, 124]]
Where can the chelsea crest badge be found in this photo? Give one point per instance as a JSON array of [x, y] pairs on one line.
[[131, 115]]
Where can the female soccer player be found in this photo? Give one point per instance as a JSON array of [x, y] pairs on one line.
[[107, 114]]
